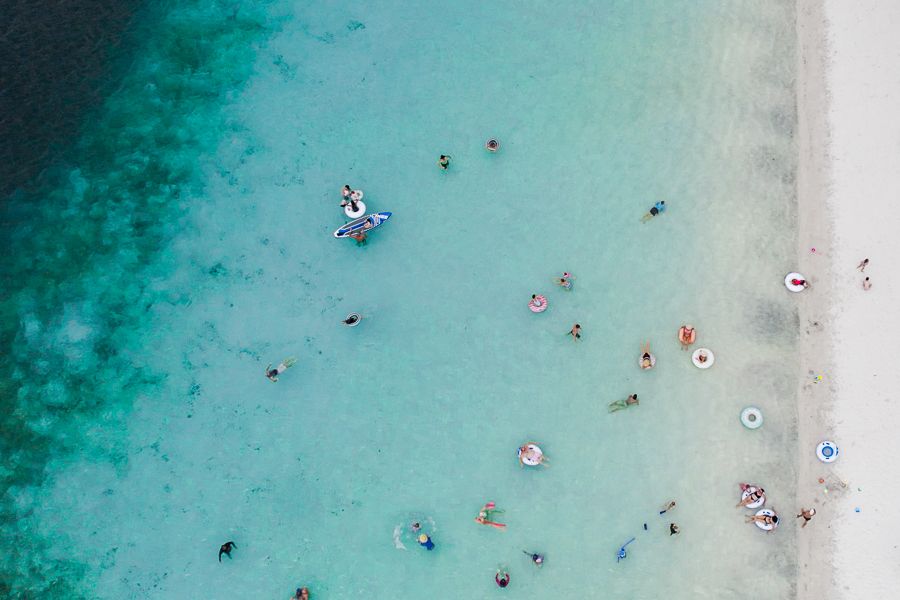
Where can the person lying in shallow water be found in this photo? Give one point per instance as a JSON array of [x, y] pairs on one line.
[[631, 400]]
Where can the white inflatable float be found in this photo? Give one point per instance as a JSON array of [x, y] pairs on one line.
[[827, 451], [708, 358], [533, 455], [766, 526], [652, 361], [356, 196], [751, 417], [747, 492], [352, 320], [788, 282]]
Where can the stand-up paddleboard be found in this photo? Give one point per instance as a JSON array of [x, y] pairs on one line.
[[362, 224]]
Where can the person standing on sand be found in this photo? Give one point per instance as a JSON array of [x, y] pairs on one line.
[[807, 515], [862, 266], [867, 285]]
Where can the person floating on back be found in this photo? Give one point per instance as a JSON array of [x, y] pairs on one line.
[[657, 208], [226, 549], [631, 400]]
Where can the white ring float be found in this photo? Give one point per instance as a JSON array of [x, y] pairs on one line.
[[765, 526], [756, 504], [710, 358], [790, 286], [355, 214], [652, 361], [751, 417], [354, 323], [827, 451], [537, 455], [538, 304]]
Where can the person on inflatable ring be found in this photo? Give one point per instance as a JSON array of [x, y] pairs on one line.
[[646, 359], [764, 519], [757, 494], [801, 282]]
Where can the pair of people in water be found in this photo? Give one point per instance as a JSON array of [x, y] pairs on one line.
[[301, 594], [486, 516], [567, 281], [350, 198]]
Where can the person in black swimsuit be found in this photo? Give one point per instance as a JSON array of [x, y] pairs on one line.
[[226, 549]]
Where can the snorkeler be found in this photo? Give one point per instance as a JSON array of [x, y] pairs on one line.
[[226, 549], [575, 332], [444, 162], [631, 400], [503, 580], [657, 208], [537, 559], [283, 366], [487, 513]]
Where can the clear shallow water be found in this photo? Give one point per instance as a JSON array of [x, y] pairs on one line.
[[601, 110]]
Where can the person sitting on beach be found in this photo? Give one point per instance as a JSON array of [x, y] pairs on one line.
[[657, 208], [537, 559], [646, 358], [764, 519], [301, 594], [502, 578], [283, 366], [667, 507], [757, 494], [687, 335], [575, 332], [444, 162], [487, 513], [807, 515], [631, 400]]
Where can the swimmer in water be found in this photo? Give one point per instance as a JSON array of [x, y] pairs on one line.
[[502, 578], [352, 319], [416, 527], [301, 594], [565, 283], [425, 541], [444, 162], [657, 208], [687, 335], [537, 559], [575, 332], [646, 358], [631, 400], [226, 549], [702, 357], [673, 529], [283, 366], [800, 282], [492, 145], [668, 507]]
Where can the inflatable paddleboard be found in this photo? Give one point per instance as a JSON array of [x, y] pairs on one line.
[[359, 225]]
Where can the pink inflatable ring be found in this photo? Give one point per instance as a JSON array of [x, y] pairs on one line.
[[538, 303]]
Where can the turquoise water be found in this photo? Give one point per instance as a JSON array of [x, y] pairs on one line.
[[195, 248]]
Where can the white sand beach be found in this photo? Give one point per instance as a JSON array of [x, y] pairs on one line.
[[849, 180]]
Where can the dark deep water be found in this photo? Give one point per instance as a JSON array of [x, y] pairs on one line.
[[57, 61]]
